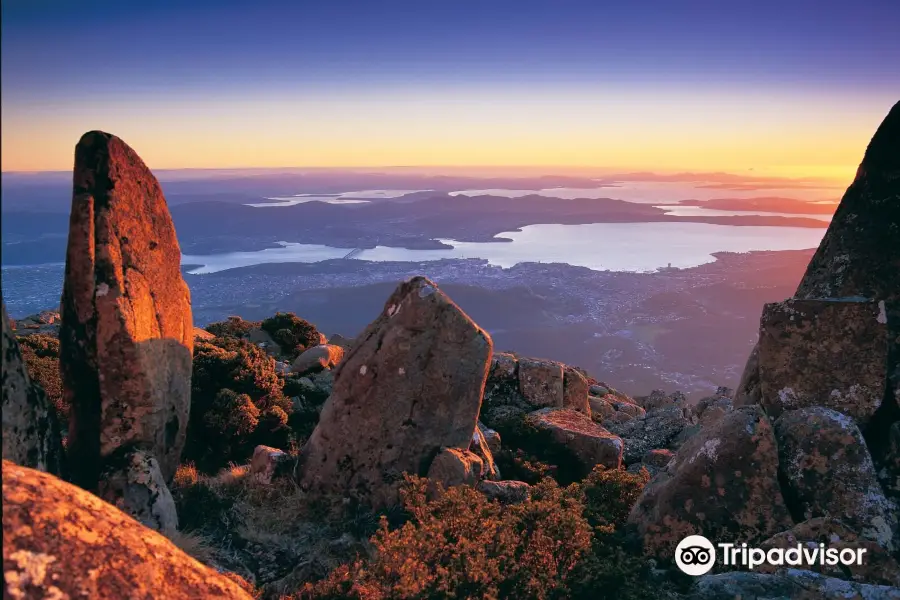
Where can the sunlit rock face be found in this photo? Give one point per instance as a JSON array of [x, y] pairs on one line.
[[127, 336]]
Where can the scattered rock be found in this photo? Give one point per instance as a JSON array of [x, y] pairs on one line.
[[505, 492], [340, 341], [541, 382], [481, 449], [491, 437], [723, 484], [63, 542], [127, 336], [598, 390], [31, 432], [791, 584], [202, 334], [659, 428], [452, 467], [601, 408], [317, 359], [712, 409], [878, 566], [45, 322], [411, 385], [261, 338], [823, 353], [588, 442], [134, 484], [828, 471], [658, 458], [268, 462]]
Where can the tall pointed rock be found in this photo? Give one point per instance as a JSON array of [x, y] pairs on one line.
[[857, 261], [127, 335]]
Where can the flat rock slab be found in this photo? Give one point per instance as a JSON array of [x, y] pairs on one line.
[[588, 442], [411, 384], [829, 353], [60, 541]]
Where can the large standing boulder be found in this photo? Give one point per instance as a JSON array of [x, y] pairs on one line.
[[61, 542], [31, 435], [823, 353], [827, 470], [127, 335], [722, 484], [411, 384]]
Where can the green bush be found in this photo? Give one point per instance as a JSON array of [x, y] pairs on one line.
[[41, 355], [234, 326], [292, 333], [236, 403], [463, 546], [563, 543]]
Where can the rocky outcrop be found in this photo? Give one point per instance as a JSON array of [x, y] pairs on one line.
[[723, 484], [878, 567], [823, 353], [828, 471], [666, 425], [589, 443], [792, 584], [317, 359], [61, 542], [31, 434], [127, 335], [411, 385], [134, 484], [45, 322]]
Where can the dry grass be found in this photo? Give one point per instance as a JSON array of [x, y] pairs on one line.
[[267, 533], [193, 544]]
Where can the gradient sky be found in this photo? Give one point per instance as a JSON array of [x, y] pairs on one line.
[[777, 86]]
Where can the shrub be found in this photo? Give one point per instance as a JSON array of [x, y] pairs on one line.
[[463, 546], [234, 326], [292, 333], [234, 390], [41, 355], [609, 494]]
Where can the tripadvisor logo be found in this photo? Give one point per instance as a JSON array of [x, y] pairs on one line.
[[696, 555]]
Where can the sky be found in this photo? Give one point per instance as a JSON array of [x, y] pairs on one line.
[[779, 87]]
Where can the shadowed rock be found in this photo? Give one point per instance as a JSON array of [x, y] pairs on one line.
[[62, 542], [411, 384], [722, 484], [31, 434], [134, 484], [827, 470], [823, 353], [589, 443], [126, 336], [452, 467]]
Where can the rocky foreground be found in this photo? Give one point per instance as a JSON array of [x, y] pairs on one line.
[[269, 451]]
